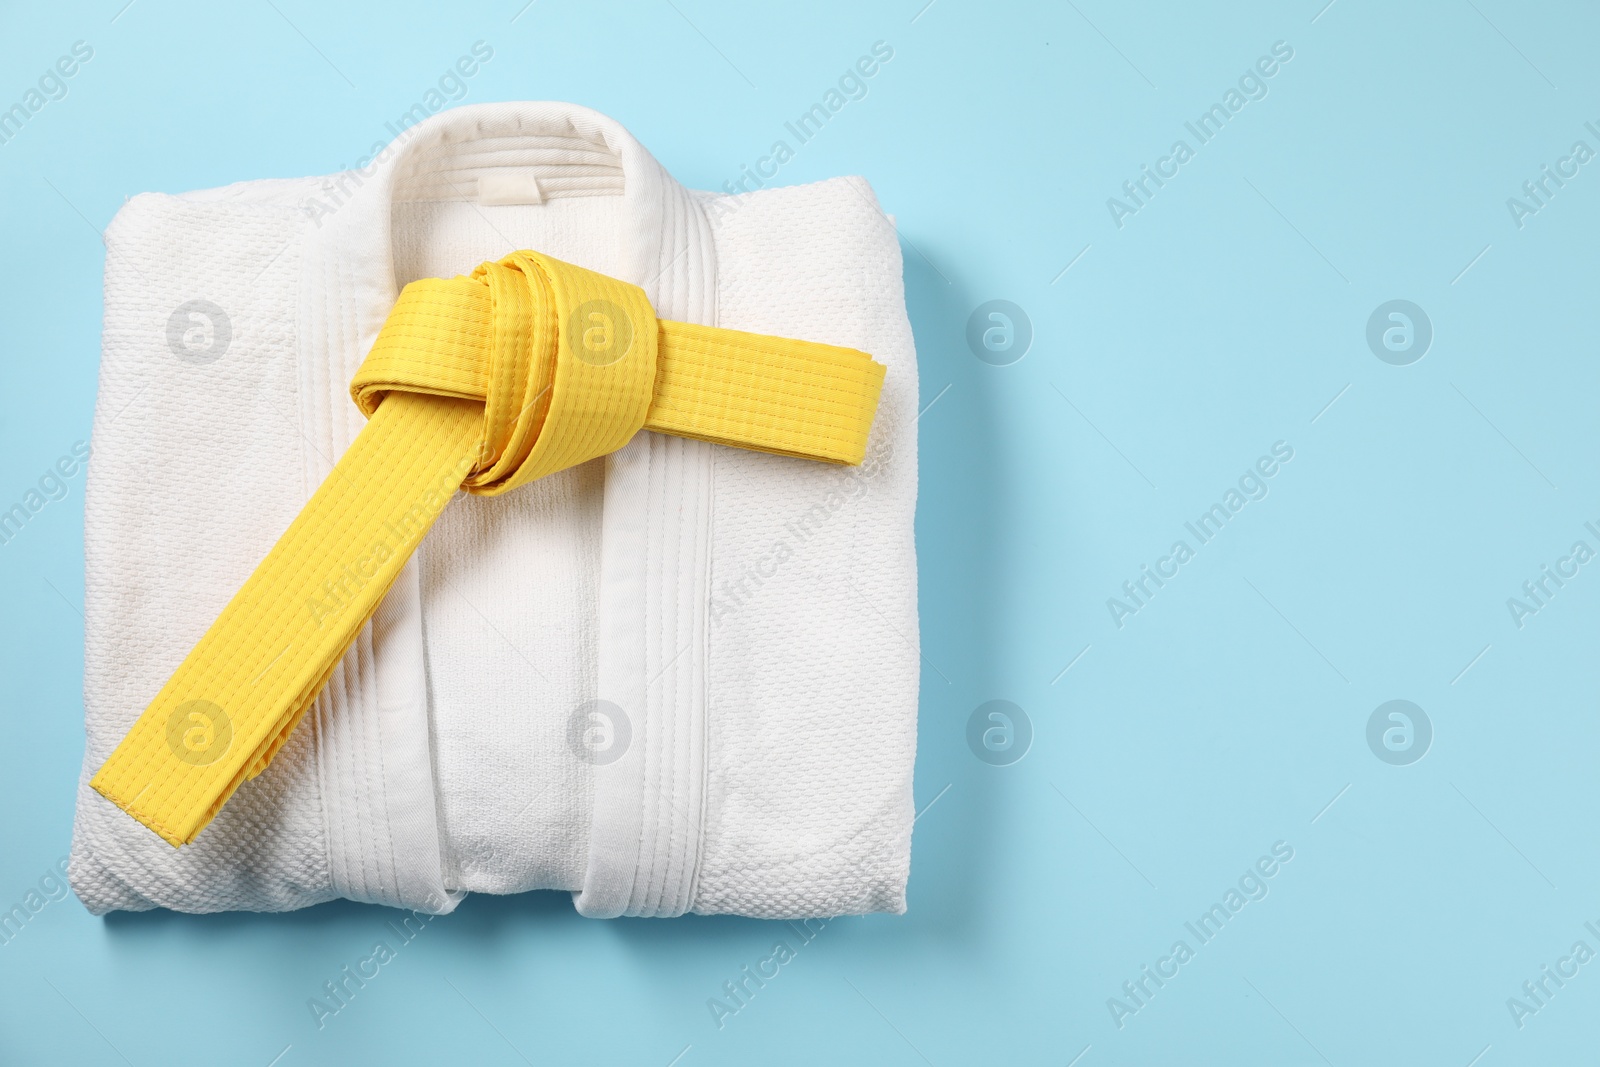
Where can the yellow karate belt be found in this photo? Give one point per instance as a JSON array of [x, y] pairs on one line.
[[481, 383]]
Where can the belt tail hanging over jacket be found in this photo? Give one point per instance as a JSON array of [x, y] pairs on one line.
[[481, 383]]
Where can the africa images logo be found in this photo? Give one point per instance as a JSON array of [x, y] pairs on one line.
[[1399, 332], [199, 732], [999, 332], [199, 332], [1399, 733], [999, 733], [598, 732], [599, 332]]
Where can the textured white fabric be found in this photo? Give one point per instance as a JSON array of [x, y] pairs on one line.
[[745, 623], [814, 640], [179, 508]]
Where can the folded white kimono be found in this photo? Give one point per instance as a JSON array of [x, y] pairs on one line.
[[705, 674]]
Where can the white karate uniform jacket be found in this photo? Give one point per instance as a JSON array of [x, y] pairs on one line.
[[682, 678]]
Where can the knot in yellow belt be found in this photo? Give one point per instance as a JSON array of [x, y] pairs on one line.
[[482, 383]]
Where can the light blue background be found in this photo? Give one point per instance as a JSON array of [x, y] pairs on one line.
[[1230, 713]]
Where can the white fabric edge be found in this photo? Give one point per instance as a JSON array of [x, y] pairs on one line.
[[407, 741], [646, 828], [617, 822]]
